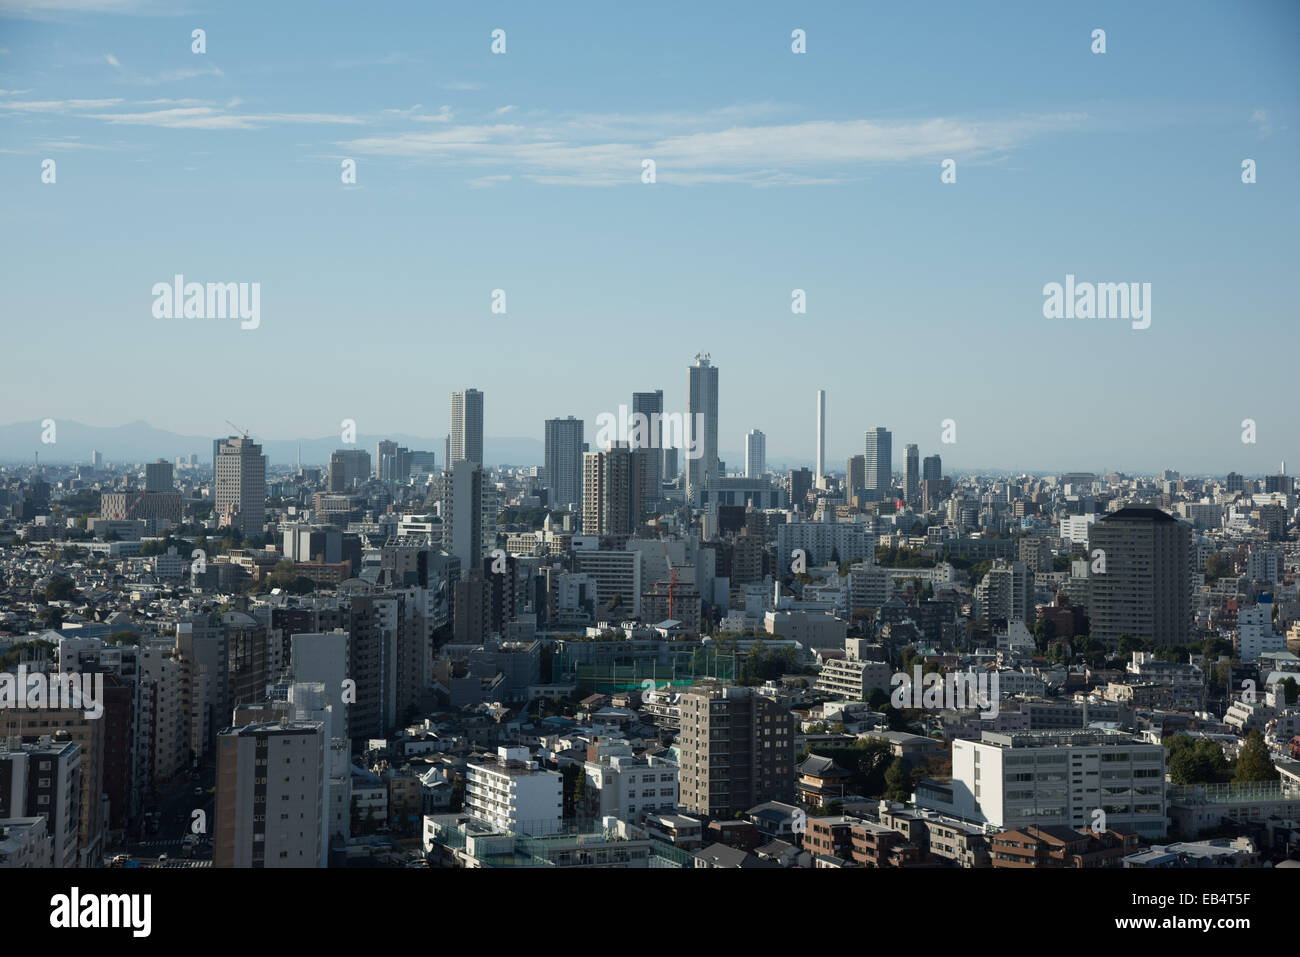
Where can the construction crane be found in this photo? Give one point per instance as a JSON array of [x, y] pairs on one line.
[[237, 428]]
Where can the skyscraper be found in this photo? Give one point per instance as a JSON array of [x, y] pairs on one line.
[[564, 460], [855, 473], [755, 454], [651, 405], [348, 468], [462, 513], [879, 455], [911, 474], [466, 432], [240, 487], [671, 468], [701, 414], [611, 491], [931, 468], [158, 476], [385, 460], [1140, 583], [821, 435]]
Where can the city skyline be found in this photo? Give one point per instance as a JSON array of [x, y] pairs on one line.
[[788, 173]]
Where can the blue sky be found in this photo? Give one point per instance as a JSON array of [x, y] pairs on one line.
[[775, 171]]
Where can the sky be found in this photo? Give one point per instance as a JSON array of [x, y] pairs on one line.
[[774, 171]]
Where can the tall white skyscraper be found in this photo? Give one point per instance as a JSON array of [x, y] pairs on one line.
[[701, 404], [564, 460], [240, 487], [879, 454], [755, 454], [465, 441], [821, 435]]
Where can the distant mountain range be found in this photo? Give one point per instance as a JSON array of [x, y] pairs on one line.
[[141, 442]]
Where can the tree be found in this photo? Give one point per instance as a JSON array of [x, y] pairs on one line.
[[1254, 764], [1196, 761], [1291, 689], [1219, 566], [898, 783], [60, 589], [1044, 632]]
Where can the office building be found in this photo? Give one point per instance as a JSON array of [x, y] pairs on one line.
[[911, 475], [158, 476], [800, 485], [650, 405], [348, 469], [931, 469], [564, 438], [879, 455], [701, 426], [465, 441], [855, 474], [240, 486], [755, 454]]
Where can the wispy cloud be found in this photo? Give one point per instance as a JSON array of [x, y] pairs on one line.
[[1262, 122], [603, 150], [209, 118], [57, 106], [66, 143], [176, 114], [54, 9]]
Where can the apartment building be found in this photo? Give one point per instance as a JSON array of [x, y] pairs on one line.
[[25, 843], [270, 796], [515, 793], [42, 779], [629, 786], [737, 750], [1019, 779], [1060, 846]]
